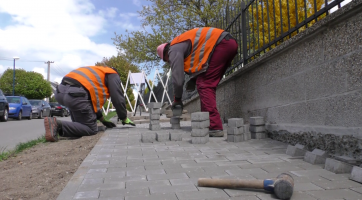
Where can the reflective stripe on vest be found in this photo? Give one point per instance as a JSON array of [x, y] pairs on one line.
[[92, 78], [203, 42]]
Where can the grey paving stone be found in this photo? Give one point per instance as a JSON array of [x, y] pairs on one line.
[[357, 189], [312, 172], [332, 185], [154, 127], [153, 197], [167, 176], [294, 151], [189, 181], [175, 136], [337, 167], [199, 116], [153, 105], [93, 171], [102, 186], [256, 120], [105, 175], [234, 131], [306, 187], [93, 181], [356, 174], [172, 189], [243, 192], [235, 122], [86, 195], [162, 136], [336, 177], [201, 194], [296, 196], [314, 158], [200, 140], [257, 129], [148, 137], [146, 172], [232, 163], [125, 178], [281, 169], [246, 171], [155, 116], [146, 184], [105, 194], [335, 194], [197, 132], [154, 122], [200, 125]]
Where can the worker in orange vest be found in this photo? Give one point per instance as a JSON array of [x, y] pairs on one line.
[[204, 54], [84, 91]]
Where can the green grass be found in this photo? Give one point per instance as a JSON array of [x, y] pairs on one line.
[[20, 147], [110, 115]]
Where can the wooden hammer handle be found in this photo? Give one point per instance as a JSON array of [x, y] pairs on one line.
[[231, 184]]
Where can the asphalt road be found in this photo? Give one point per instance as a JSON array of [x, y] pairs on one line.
[[14, 131]]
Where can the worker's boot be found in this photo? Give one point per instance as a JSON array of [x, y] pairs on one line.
[[216, 133], [52, 128]]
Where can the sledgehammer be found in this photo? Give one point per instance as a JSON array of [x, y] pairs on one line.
[[282, 186]]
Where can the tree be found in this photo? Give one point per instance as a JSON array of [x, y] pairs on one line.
[[123, 66], [166, 19], [30, 84]]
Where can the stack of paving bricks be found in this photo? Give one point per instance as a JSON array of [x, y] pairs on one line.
[[235, 131], [200, 123], [257, 128], [154, 110], [175, 120]]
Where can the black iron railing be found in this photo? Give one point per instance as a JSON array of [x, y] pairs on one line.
[[261, 25]]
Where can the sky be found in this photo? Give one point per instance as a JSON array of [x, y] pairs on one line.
[[72, 33]]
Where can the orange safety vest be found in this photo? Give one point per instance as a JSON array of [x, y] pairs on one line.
[[203, 42], [93, 79]]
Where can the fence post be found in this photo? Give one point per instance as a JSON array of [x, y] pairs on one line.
[[244, 36]]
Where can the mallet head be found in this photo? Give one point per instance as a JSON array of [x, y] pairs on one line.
[[283, 186]]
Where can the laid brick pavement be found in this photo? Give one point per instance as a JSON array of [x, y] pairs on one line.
[[121, 167]]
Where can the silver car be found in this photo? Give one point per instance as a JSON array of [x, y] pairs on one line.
[[40, 108]]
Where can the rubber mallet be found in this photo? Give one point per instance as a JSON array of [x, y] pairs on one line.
[[282, 186]]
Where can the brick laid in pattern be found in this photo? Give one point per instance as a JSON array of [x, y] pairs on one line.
[[175, 136], [235, 138], [200, 140], [162, 136], [199, 116], [235, 122], [154, 127], [148, 137]]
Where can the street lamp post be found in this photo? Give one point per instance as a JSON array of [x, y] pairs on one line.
[[15, 58]]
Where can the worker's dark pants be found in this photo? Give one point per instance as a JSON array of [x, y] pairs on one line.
[[84, 120], [207, 82]]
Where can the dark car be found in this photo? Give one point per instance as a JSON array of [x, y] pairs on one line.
[[40, 108], [19, 107], [4, 107], [58, 110]]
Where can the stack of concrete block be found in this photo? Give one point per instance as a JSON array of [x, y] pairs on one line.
[[160, 136], [200, 123], [176, 118], [235, 131], [257, 128], [154, 110]]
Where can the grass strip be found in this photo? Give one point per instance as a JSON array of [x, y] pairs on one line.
[[4, 155]]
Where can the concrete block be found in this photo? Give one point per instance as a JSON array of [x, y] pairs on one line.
[[294, 151], [199, 132], [168, 113], [200, 140], [175, 136], [154, 116], [162, 136], [346, 159], [175, 126], [257, 129], [175, 120], [356, 174], [154, 111], [247, 135], [317, 156], [154, 105], [235, 138], [233, 131], [257, 121], [235, 122], [202, 124], [337, 166], [177, 111], [154, 127], [148, 137], [260, 135], [199, 116], [154, 122]]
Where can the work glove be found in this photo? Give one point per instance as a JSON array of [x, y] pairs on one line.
[[108, 124], [191, 85], [128, 121], [177, 102]]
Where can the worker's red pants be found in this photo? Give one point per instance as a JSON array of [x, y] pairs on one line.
[[207, 82]]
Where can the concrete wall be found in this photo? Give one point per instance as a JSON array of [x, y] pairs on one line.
[[312, 82]]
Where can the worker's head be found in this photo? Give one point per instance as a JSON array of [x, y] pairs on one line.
[[162, 51]]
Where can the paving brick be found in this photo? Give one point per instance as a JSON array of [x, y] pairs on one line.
[[108, 194], [167, 176], [162, 136], [199, 116], [200, 140], [125, 178], [189, 181], [317, 156], [175, 120], [155, 116], [235, 131], [246, 171], [337, 167], [235, 138], [357, 189], [261, 135], [146, 184], [155, 122], [332, 185], [312, 172], [86, 195], [235, 122], [334, 194], [200, 125], [153, 105], [356, 174], [202, 194], [197, 132], [296, 196], [92, 181], [294, 151], [102, 186], [154, 127], [256, 121], [145, 172], [175, 136], [175, 126], [306, 187], [257, 129], [153, 197], [172, 189], [154, 111], [148, 137]]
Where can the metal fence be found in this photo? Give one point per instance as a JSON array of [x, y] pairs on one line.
[[261, 25]]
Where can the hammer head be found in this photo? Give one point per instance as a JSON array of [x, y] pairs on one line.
[[283, 186]]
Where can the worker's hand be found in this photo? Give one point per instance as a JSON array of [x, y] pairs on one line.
[[177, 102], [108, 124], [191, 85], [128, 121]]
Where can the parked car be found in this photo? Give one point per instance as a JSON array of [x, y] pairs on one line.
[[19, 107], [40, 108], [4, 107], [58, 110]]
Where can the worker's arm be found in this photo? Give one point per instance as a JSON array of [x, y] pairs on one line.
[[117, 97]]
